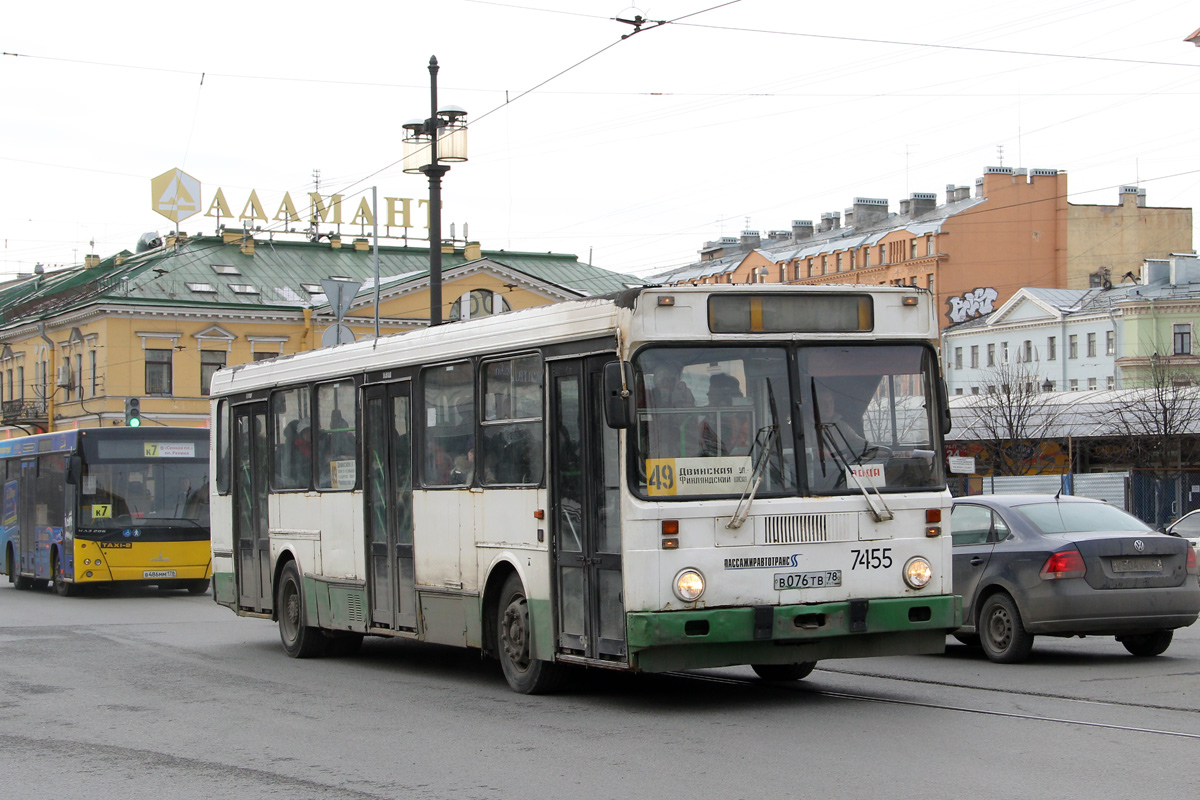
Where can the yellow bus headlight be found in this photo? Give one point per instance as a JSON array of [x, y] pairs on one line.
[[917, 572], [689, 585]]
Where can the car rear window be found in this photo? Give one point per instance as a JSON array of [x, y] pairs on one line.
[[1078, 517]]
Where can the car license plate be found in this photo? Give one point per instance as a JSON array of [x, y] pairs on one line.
[[808, 580], [159, 573], [1137, 565]]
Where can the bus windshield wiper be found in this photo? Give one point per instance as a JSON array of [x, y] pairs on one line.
[[763, 440], [832, 433]]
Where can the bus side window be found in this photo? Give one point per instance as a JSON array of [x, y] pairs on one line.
[[291, 428], [512, 421], [337, 439], [223, 465], [449, 441]]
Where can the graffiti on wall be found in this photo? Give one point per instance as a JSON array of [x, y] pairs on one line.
[[972, 304]]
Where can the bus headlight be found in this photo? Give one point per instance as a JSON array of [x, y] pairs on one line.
[[689, 585], [917, 572]]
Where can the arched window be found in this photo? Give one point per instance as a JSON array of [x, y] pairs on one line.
[[478, 303]]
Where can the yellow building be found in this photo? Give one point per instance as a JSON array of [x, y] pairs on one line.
[[77, 343]]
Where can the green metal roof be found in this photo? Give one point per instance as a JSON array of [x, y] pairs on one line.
[[204, 270]]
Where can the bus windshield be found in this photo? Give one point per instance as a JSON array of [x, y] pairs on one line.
[[705, 417], [868, 418], [709, 416], [117, 494]]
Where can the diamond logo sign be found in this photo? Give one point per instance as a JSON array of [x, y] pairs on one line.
[[175, 195]]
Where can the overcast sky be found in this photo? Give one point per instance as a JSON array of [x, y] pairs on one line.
[[632, 152]]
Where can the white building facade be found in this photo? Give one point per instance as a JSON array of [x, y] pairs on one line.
[[1080, 339]]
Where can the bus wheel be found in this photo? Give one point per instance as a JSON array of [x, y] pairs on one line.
[[61, 587], [299, 640], [14, 573], [524, 673], [784, 672], [198, 586]]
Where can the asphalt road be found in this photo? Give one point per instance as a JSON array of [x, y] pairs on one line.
[[142, 695]]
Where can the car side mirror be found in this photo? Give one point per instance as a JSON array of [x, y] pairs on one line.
[[618, 394]]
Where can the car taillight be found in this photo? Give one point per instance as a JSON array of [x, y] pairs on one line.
[[1192, 569], [1067, 564]]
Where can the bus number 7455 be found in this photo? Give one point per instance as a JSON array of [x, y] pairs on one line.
[[872, 558]]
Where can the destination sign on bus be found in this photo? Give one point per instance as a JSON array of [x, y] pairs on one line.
[[790, 313], [666, 477], [170, 450]]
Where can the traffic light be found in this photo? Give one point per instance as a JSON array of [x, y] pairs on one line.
[[133, 412]]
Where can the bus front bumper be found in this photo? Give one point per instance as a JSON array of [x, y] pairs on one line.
[[694, 638]]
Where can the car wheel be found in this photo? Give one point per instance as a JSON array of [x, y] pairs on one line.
[[1147, 645], [1001, 632], [969, 639], [299, 640], [199, 586], [784, 672], [524, 673]]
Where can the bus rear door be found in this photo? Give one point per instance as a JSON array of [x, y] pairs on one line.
[[585, 496], [388, 498], [250, 526]]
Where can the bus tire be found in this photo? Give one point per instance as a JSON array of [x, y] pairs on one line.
[[299, 640], [784, 672], [198, 586], [524, 673], [61, 587], [1147, 645]]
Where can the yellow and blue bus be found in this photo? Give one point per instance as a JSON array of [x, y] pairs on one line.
[[667, 478], [100, 506]]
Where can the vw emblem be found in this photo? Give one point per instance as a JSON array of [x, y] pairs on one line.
[[1139, 545]]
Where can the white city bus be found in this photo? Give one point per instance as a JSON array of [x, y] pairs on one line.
[[662, 479]]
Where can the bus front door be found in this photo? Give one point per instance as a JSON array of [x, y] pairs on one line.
[[250, 534], [585, 498], [388, 497]]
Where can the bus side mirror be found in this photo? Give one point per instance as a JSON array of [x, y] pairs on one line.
[[944, 397], [618, 394], [74, 470]]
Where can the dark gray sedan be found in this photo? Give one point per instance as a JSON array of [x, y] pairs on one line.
[[1029, 565]]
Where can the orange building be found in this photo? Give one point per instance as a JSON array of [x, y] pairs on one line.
[[974, 251]]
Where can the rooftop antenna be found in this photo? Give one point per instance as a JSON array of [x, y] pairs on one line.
[[1000, 153]]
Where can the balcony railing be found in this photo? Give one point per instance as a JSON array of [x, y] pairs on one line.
[[18, 411]]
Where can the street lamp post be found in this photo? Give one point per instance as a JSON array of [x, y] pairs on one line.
[[428, 144]]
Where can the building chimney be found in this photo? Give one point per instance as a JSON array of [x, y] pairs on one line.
[[750, 240], [802, 229], [1137, 195], [91, 260], [868, 211], [921, 203], [830, 220]]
